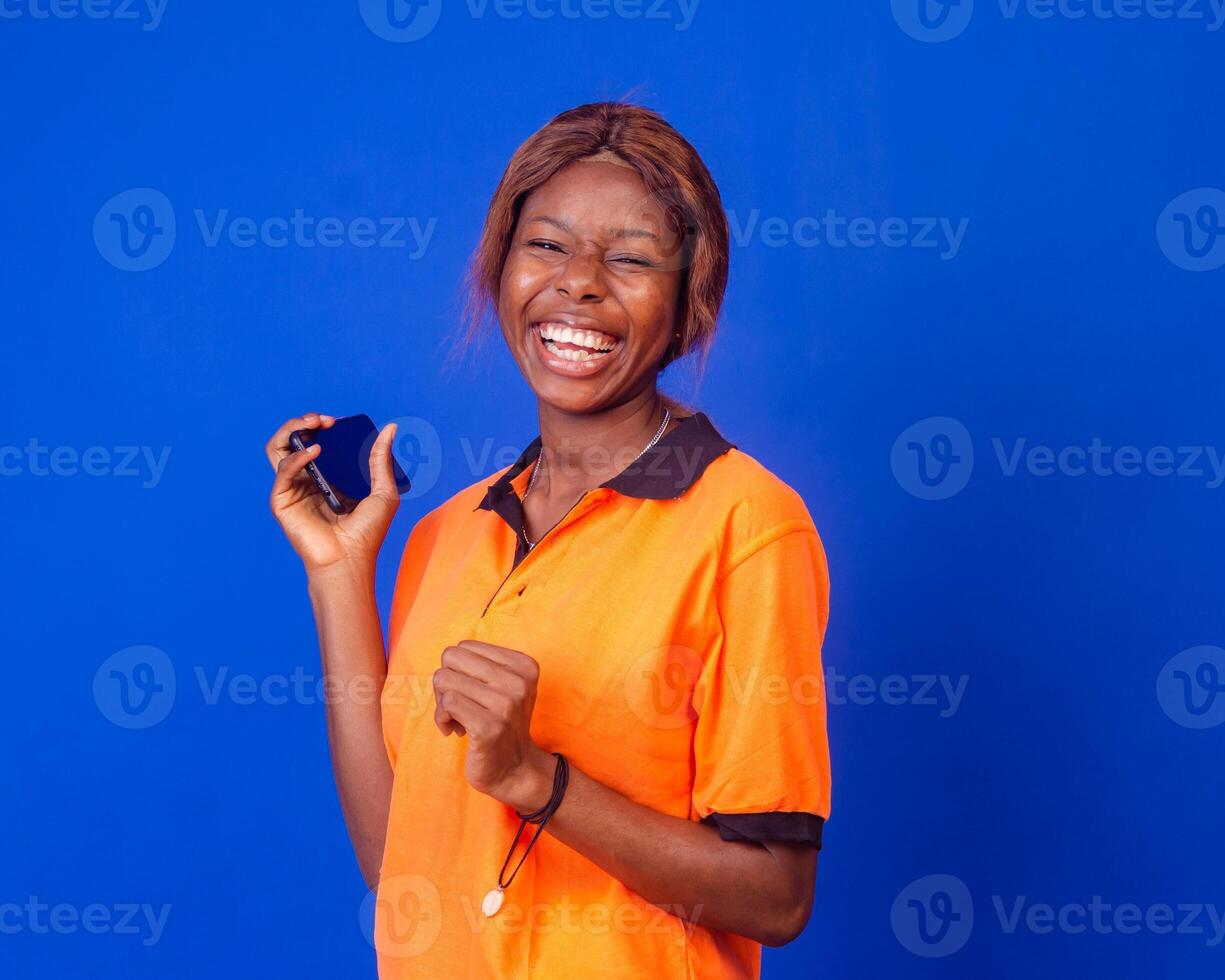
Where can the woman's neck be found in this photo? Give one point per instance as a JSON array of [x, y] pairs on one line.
[[583, 451]]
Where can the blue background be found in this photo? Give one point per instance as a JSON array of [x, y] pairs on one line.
[[1060, 775]]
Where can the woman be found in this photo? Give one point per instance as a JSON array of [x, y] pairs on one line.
[[613, 644]]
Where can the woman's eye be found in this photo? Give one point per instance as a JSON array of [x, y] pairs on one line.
[[633, 260], [542, 243]]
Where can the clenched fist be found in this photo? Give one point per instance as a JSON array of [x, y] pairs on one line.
[[487, 693]]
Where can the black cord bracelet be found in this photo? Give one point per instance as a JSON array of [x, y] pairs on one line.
[[561, 779]]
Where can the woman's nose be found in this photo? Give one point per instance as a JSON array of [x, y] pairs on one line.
[[581, 279]]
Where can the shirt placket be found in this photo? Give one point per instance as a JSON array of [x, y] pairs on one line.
[[550, 541]]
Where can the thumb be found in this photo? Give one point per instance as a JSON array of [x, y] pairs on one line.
[[382, 477]]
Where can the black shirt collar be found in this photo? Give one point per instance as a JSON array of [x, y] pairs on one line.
[[663, 472]]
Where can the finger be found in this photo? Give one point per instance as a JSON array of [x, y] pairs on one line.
[[382, 475], [494, 701], [446, 723], [474, 719], [277, 448], [489, 672], [289, 467], [442, 717], [523, 665], [466, 661]]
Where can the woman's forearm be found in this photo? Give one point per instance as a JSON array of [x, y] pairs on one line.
[[355, 668], [763, 891]]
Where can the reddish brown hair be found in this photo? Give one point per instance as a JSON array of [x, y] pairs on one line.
[[672, 172]]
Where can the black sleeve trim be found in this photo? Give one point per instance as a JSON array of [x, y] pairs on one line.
[[789, 827]]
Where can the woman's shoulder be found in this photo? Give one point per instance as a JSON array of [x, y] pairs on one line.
[[747, 484], [461, 503], [753, 504]]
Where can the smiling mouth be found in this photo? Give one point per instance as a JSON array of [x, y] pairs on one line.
[[574, 343]]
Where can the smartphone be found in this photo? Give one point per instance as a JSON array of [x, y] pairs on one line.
[[341, 471]]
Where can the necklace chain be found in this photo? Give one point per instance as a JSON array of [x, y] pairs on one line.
[[541, 459]]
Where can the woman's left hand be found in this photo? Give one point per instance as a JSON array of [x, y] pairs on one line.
[[487, 693]]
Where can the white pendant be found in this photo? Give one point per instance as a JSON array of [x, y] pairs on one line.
[[491, 902]]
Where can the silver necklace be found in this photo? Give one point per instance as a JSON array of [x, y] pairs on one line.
[[540, 461]]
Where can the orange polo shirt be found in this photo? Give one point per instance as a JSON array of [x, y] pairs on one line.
[[677, 613]]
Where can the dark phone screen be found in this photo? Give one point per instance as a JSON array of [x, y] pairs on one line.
[[344, 456]]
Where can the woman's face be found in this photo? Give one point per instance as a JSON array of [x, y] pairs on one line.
[[589, 291]]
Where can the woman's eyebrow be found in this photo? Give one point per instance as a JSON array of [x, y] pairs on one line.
[[615, 233], [633, 233], [548, 220]]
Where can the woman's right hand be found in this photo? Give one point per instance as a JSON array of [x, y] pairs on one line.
[[320, 537]]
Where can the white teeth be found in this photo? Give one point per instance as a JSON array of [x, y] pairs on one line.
[[573, 355], [593, 340]]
